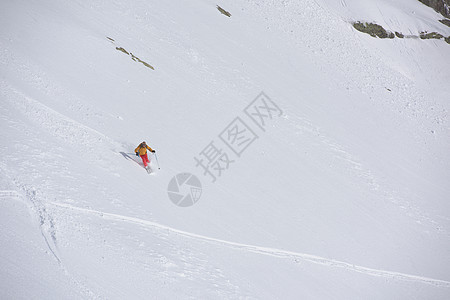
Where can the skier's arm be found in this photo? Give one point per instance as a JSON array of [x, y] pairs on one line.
[[148, 147]]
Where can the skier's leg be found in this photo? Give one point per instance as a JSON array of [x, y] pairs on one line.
[[144, 159]]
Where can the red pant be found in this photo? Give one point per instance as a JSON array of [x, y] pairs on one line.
[[145, 159]]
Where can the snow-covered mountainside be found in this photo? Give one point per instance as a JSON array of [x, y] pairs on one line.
[[299, 158]]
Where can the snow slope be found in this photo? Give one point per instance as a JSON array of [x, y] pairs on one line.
[[342, 196]]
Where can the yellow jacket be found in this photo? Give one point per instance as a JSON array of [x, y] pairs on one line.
[[142, 149]]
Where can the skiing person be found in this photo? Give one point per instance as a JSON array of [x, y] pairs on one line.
[[141, 150]]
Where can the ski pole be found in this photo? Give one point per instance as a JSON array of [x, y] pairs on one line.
[[157, 160]]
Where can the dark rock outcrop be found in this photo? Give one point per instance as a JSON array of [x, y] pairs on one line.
[[441, 6]]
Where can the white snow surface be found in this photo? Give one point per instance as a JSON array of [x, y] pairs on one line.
[[344, 195]]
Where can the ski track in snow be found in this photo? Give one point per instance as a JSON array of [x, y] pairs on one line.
[[262, 250], [75, 131], [27, 196], [57, 124]]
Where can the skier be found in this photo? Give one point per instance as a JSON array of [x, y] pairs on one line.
[[141, 150]]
